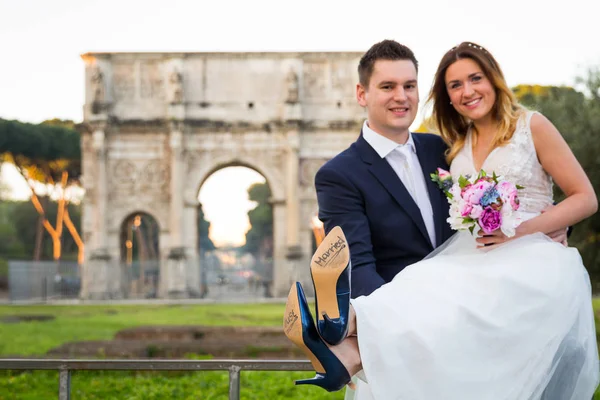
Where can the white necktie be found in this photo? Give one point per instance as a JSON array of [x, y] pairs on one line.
[[404, 154]]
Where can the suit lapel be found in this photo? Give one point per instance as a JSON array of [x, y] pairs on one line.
[[429, 164], [384, 173]]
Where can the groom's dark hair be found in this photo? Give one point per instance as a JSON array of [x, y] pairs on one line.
[[384, 50]]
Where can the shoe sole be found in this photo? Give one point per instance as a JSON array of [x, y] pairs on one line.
[[328, 263], [292, 327]]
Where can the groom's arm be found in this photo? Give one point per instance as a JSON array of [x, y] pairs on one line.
[[341, 204]]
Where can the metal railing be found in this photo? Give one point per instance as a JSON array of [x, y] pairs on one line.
[[233, 366]]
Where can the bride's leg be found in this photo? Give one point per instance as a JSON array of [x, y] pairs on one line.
[[348, 354]]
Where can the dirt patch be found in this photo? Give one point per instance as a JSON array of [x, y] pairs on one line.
[[13, 319], [181, 341]]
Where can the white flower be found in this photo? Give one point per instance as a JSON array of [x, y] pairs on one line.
[[455, 191], [456, 219], [510, 221]]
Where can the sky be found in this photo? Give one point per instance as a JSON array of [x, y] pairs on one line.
[[42, 74], [230, 211]]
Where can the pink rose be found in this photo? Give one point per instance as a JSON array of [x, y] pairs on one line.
[[465, 210], [473, 193], [508, 193], [490, 220], [476, 211], [443, 174]]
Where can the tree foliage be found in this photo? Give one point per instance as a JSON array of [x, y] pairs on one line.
[[576, 114], [18, 230], [44, 151], [261, 218], [204, 241], [48, 154]]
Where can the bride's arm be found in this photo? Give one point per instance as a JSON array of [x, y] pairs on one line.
[[558, 161]]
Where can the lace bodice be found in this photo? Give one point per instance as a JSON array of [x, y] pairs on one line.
[[516, 162]]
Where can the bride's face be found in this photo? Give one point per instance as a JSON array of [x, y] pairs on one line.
[[470, 91]]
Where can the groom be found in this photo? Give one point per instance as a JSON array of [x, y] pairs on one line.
[[379, 190]]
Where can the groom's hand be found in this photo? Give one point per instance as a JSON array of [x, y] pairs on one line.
[[559, 236]]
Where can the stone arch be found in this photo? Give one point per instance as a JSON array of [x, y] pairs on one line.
[[121, 215], [147, 233], [198, 176]]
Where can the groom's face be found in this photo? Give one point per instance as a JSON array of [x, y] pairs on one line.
[[391, 98]]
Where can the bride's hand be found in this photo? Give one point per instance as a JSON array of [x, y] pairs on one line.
[[491, 240]]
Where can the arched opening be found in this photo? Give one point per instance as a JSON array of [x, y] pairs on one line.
[[140, 257], [235, 233]]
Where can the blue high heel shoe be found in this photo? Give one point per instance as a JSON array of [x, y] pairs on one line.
[[330, 270], [299, 327]]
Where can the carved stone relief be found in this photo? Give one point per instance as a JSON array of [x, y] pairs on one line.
[[308, 170], [151, 82], [124, 80], [343, 79], [143, 180], [315, 79]]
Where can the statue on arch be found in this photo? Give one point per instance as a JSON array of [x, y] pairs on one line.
[[98, 90], [292, 87], [175, 87]]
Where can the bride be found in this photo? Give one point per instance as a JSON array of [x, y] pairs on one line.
[[490, 317]]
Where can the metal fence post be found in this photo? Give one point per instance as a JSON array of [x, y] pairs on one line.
[[64, 385], [234, 382]]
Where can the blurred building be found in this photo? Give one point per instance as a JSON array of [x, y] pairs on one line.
[[156, 125]]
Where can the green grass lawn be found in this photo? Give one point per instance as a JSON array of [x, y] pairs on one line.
[[76, 323]]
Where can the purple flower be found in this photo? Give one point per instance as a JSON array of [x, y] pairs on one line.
[[490, 220]]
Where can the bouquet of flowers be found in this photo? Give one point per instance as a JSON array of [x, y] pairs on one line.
[[480, 202]]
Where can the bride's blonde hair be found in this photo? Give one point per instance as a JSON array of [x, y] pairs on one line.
[[452, 126]]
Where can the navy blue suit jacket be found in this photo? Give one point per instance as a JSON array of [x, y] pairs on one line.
[[360, 192]]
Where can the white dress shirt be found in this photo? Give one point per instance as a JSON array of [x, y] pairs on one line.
[[404, 161]]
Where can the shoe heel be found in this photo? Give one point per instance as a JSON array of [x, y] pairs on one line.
[[292, 327], [330, 271], [299, 327]]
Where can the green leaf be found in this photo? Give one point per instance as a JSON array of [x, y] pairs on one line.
[[462, 181]]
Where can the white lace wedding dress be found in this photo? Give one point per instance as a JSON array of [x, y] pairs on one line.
[[512, 323]]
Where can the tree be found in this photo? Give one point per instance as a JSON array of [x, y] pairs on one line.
[[576, 114], [48, 156], [260, 233], [11, 245], [204, 242], [24, 219]]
